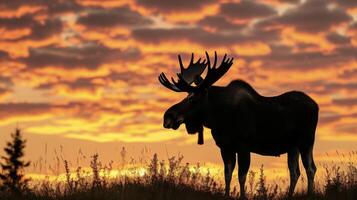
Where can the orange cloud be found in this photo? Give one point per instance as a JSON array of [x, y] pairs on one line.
[[20, 11], [103, 3]]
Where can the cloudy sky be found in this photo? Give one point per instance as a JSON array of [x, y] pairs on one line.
[[83, 74]]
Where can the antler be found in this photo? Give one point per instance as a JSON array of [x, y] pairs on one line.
[[188, 75], [215, 73], [165, 82], [193, 71]]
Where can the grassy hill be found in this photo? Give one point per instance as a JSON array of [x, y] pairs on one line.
[[174, 181]]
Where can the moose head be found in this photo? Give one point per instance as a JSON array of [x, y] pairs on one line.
[[190, 110]]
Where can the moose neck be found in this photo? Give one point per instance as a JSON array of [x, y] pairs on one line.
[[209, 105], [220, 101]]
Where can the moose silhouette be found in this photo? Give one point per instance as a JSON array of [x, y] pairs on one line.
[[243, 121]]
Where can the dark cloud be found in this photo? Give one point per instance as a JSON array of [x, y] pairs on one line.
[[6, 81], [350, 86], [347, 3], [347, 51], [25, 21], [290, 1], [331, 117], [131, 78], [196, 35], [350, 128], [350, 102], [15, 4], [219, 23], [108, 18], [89, 84], [284, 57], [338, 39], [5, 86], [84, 83], [203, 37], [78, 84], [39, 30], [43, 30], [14, 109], [3, 55], [59, 7], [86, 110], [246, 10], [311, 16], [52, 6], [349, 73], [4, 91], [168, 6], [305, 46], [313, 86], [265, 35], [88, 56]]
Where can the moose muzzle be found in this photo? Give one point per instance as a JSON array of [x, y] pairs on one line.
[[172, 122]]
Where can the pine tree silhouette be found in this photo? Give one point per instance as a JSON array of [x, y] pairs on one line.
[[12, 166]]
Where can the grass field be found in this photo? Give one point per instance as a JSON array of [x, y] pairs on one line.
[[172, 179]]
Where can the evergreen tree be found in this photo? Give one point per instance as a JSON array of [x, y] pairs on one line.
[[12, 166]]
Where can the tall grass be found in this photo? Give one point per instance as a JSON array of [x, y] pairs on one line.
[[173, 179]]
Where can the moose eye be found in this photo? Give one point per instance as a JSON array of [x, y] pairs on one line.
[[190, 97]]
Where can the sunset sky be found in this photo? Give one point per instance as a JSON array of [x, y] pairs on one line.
[[82, 75]]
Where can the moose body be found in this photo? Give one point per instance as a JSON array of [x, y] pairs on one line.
[[243, 122], [247, 121]]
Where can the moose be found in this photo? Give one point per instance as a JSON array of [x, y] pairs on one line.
[[242, 121]]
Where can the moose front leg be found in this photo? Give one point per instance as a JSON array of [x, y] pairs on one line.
[[243, 167], [229, 159]]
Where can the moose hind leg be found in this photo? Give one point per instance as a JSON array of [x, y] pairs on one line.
[[293, 164], [229, 159], [243, 167], [310, 168]]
